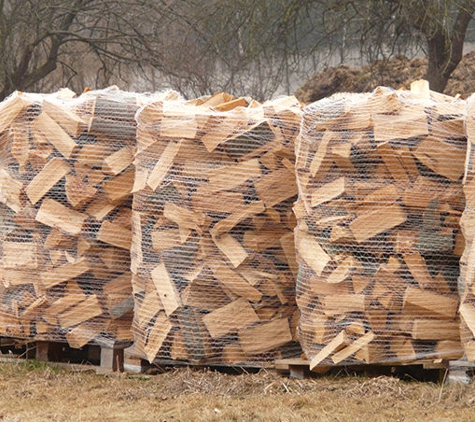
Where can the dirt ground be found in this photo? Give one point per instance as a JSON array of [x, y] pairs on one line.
[[396, 73], [33, 391]]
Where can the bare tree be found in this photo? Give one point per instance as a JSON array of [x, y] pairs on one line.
[[197, 46], [41, 38], [245, 47], [443, 24], [382, 28], [228, 45]]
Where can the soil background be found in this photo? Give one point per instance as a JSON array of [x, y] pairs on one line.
[[395, 73]]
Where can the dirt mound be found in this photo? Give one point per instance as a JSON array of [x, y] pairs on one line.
[[395, 73]]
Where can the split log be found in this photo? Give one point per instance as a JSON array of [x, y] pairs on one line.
[[380, 182], [213, 255]]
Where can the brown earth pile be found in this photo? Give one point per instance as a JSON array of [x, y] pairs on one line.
[[395, 73]]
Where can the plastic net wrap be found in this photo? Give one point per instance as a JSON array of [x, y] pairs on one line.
[[213, 255], [378, 238], [66, 177], [467, 262]]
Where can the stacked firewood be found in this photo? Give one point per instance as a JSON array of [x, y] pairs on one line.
[[66, 177], [467, 262], [213, 256], [378, 237]]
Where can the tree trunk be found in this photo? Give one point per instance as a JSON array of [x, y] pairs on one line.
[[438, 56], [445, 50]]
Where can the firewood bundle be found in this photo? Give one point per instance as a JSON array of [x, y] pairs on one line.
[[467, 262], [213, 256], [378, 237], [66, 177]]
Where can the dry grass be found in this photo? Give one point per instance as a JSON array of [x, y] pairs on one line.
[[35, 392]]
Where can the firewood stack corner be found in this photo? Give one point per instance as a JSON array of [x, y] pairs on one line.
[[467, 262]]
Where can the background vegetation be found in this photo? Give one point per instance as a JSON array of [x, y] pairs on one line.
[[245, 47]]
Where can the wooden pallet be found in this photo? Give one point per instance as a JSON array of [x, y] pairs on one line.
[[103, 356], [452, 371], [136, 362], [461, 371]]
